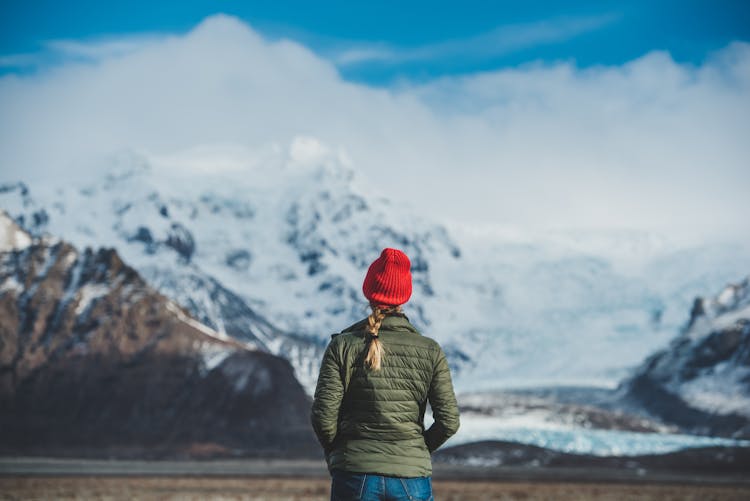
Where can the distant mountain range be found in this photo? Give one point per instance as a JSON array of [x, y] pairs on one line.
[[272, 254], [94, 361], [265, 261]]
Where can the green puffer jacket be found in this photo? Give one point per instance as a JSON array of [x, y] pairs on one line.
[[373, 421]]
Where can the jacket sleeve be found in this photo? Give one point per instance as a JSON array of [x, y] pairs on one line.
[[444, 406], [327, 400]]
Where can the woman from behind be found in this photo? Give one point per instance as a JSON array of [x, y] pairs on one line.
[[375, 381]]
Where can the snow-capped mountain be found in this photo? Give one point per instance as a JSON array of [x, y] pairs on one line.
[[289, 238], [701, 381], [93, 361], [270, 247]]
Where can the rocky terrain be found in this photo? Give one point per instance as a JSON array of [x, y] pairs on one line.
[[95, 362], [701, 381]]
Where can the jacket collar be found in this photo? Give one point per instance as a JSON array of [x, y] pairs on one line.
[[397, 322]]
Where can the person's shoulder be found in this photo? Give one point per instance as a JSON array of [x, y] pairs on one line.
[[416, 337], [354, 331], [430, 343], [355, 327]]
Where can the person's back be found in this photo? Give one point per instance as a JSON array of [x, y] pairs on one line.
[[376, 379]]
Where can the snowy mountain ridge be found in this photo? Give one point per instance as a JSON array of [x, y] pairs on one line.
[[269, 246]]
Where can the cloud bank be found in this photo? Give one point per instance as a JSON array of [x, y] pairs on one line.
[[651, 144]]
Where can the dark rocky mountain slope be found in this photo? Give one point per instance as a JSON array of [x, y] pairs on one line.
[[94, 362], [701, 382]]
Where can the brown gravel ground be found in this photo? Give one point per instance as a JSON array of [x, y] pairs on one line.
[[311, 489]]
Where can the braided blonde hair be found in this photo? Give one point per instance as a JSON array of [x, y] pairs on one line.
[[375, 351]]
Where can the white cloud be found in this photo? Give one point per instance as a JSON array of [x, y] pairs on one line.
[[651, 144], [502, 40], [99, 49], [62, 51]]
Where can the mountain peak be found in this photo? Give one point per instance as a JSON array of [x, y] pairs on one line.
[[721, 311]]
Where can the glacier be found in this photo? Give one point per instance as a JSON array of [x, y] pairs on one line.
[[583, 441]]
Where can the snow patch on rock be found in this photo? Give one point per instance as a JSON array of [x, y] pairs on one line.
[[10, 284], [12, 237], [88, 294], [213, 355], [723, 391], [171, 306]]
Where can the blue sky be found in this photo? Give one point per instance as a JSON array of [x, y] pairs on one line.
[[382, 42]]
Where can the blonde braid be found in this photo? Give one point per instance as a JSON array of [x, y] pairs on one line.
[[375, 350]]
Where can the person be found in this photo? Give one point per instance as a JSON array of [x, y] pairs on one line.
[[375, 381]]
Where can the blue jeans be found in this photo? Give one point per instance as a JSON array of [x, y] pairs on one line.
[[347, 486]]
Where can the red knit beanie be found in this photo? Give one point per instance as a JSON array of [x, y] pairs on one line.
[[388, 280]]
